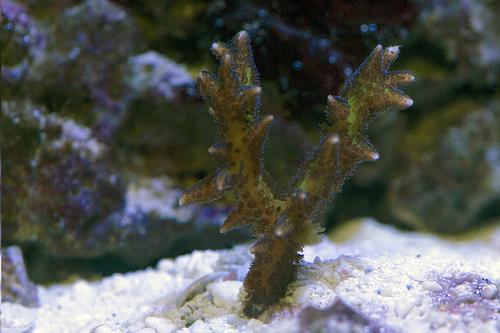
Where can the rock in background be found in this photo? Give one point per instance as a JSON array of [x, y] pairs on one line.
[[455, 186], [70, 194]]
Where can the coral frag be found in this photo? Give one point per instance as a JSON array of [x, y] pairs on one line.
[[283, 223]]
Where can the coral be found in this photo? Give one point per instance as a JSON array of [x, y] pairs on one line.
[[283, 223]]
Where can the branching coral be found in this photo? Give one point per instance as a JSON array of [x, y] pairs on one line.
[[282, 224]]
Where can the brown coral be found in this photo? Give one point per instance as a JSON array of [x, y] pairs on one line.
[[283, 224]]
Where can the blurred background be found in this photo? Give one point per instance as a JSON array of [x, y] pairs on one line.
[[102, 126]]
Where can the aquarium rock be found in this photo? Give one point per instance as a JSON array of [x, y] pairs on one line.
[[16, 285], [154, 73], [455, 186]]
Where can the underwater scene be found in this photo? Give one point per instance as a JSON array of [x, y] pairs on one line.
[[230, 166]]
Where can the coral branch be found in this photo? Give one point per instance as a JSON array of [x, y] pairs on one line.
[[283, 225], [234, 100], [371, 90]]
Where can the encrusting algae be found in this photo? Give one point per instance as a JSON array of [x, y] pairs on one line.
[[284, 223]]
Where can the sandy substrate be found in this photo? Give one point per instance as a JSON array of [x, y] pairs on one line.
[[380, 279]]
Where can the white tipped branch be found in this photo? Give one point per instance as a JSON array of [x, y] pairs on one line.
[[249, 95], [399, 78], [261, 245], [389, 55], [207, 85], [243, 59], [227, 80], [260, 130], [219, 151], [336, 110], [328, 150], [223, 180], [242, 38], [219, 50], [239, 217], [372, 63], [242, 42], [366, 154], [203, 191], [333, 139], [394, 98]]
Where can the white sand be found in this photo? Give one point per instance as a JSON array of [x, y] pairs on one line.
[[397, 279]]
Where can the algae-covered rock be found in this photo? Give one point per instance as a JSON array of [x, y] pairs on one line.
[[21, 36], [88, 43], [152, 224], [81, 71], [155, 75], [16, 285], [468, 31], [62, 191], [455, 185], [59, 182]]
